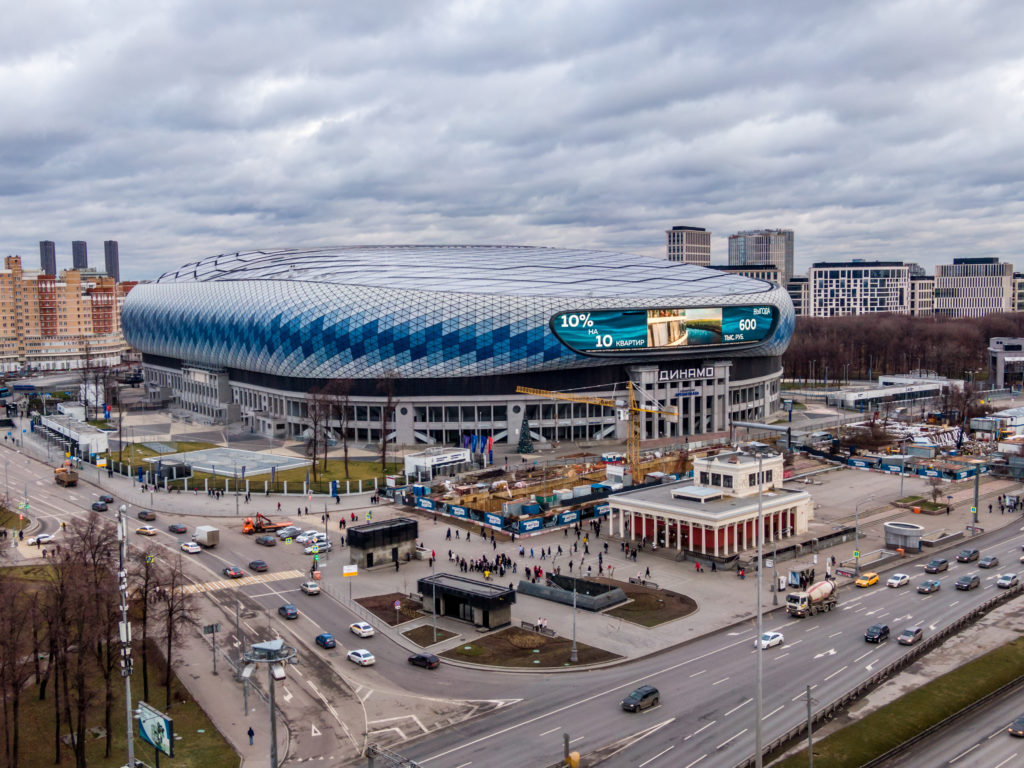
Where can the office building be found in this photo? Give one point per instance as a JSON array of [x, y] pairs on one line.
[[79, 255], [763, 246], [110, 260], [767, 272], [973, 287], [859, 287], [249, 337], [799, 289], [47, 257], [1018, 292], [51, 323], [922, 294], [690, 245]]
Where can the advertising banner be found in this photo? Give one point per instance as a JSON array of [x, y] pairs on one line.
[[569, 516], [600, 510], [890, 467], [425, 503], [455, 511], [858, 462], [492, 519], [929, 472], [525, 526], [156, 729]]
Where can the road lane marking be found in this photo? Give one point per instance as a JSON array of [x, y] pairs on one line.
[[697, 760], [731, 738], [741, 704], [782, 655], [547, 732], [698, 673], [1011, 757], [835, 673], [702, 728], [834, 634], [645, 762], [777, 709], [720, 681], [795, 642], [211, 586], [580, 738], [966, 751], [801, 695], [864, 655], [813, 628]]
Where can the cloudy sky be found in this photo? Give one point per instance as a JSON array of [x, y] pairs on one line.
[[184, 129]]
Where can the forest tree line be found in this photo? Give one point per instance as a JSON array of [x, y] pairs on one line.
[[866, 346]]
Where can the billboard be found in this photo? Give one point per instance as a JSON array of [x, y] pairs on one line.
[[662, 330], [156, 729]]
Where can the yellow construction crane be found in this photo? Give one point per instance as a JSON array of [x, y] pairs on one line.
[[631, 408]]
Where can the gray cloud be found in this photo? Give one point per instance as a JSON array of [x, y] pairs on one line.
[[183, 129]]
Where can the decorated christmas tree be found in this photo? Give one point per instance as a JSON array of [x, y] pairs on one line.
[[525, 443]]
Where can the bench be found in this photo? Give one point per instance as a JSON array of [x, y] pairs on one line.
[[540, 630], [643, 582]]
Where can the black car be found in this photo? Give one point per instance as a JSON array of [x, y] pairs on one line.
[[267, 540], [289, 611], [968, 582], [177, 528], [1017, 727], [425, 660], [967, 555], [99, 506], [936, 565], [147, 514], [877, 633], [643, 697], [107, 498], [257, 565]]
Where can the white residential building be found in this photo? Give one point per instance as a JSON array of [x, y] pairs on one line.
[[974, 287]]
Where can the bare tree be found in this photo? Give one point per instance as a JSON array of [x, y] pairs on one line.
[[338, 391], [319, 413], [386, 385], [146, 576], [16, 663], [176, 610]]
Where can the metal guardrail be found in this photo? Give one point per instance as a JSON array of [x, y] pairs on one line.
[[876, 679]]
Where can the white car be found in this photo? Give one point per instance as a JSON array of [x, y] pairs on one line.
[[898, 580], [308, 536], [1007, 580], [191, 547], [362, 629], [42, 538], [321, 547], [310, 588], [768, 639], [362, 657]]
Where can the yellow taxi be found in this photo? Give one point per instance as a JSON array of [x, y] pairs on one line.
[[867, 579]]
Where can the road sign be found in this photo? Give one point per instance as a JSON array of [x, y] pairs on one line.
[[316, 548], [769, 563], [350, 570], [398, 604], [209, 629], [856, 553]]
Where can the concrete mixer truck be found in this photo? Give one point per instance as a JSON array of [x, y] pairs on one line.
[[819, 597]]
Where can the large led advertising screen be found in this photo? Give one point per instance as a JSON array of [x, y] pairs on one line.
[[661, 330]]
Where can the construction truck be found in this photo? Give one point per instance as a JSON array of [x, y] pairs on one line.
[[65, 475], [263, 524], [817, 599]]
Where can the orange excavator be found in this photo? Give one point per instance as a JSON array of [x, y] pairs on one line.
[[263, 524]]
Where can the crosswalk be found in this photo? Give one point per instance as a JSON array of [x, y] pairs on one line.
[[256, 578]]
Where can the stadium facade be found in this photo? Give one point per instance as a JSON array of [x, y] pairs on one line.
[[450, 331]]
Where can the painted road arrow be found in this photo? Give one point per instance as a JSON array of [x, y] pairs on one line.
[[829, 652]]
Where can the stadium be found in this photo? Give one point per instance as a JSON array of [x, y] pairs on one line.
[[447, 333]]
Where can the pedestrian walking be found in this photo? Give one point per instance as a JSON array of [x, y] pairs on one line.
[[647, 573], [251, 734]]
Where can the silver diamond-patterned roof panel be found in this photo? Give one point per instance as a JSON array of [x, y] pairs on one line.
[[314, 314]]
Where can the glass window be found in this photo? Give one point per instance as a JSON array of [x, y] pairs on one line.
[[716, 479], [704, 479], [500, 412], [375, 412], [483, 413], [434, 412], [451, 413], [727, 481], [468, 413], [419, 413]]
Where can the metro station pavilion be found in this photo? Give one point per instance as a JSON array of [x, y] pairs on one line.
[[451, 331]]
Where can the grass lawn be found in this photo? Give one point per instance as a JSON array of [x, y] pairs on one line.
[[649, 607], [134, 453], [358, 470], [922, 708], [10, 519], [31, 573], [512, 647], [383, 607], [424, 635]]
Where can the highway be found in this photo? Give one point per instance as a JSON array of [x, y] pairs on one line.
[[707, 712]]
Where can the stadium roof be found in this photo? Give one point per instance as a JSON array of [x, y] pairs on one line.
[[479, 269]]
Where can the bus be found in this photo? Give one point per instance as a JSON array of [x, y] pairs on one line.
[[5, 391]]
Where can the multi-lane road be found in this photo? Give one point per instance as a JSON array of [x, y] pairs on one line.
[[707, 712]]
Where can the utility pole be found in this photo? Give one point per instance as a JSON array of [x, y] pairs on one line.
[[810, 729], [125, 628]]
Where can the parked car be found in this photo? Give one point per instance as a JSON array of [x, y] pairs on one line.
[[989, 561], [425, 660], [937, 565], [968, 582], [259, 566], [362, 657], [867, 579], [362, 629], [42, 538], [267, 540], [289, 532], [191, 547], [898, 580], [877, 633], [643, 697], [910, 635], [106, 498], [929, 586], [1007, 580], [146, 530], [321, 546], [967, 555], [99, 506], [326, 640], [289, 611], [769, 639], [310, 588], [233, 572], [302, 538], [145, 514], [177, 528]]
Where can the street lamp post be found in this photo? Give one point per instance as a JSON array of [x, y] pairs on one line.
[[275, 654], [573, 655], [903, 463], [856, 531], [760, 630], [433, 598], [125, 628]]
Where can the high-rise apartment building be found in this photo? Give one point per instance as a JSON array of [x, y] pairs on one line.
[[51, 322], [79, 254], [767, 272], [690, 245], [922, 294], [1018, 292], [973, 287], [48, 257], [110, 260], [763, 246], [799, 289], [859, 287]]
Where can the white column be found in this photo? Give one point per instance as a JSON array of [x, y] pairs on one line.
[[703, 539], [679, 534], [718, 532], [690, 523]]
